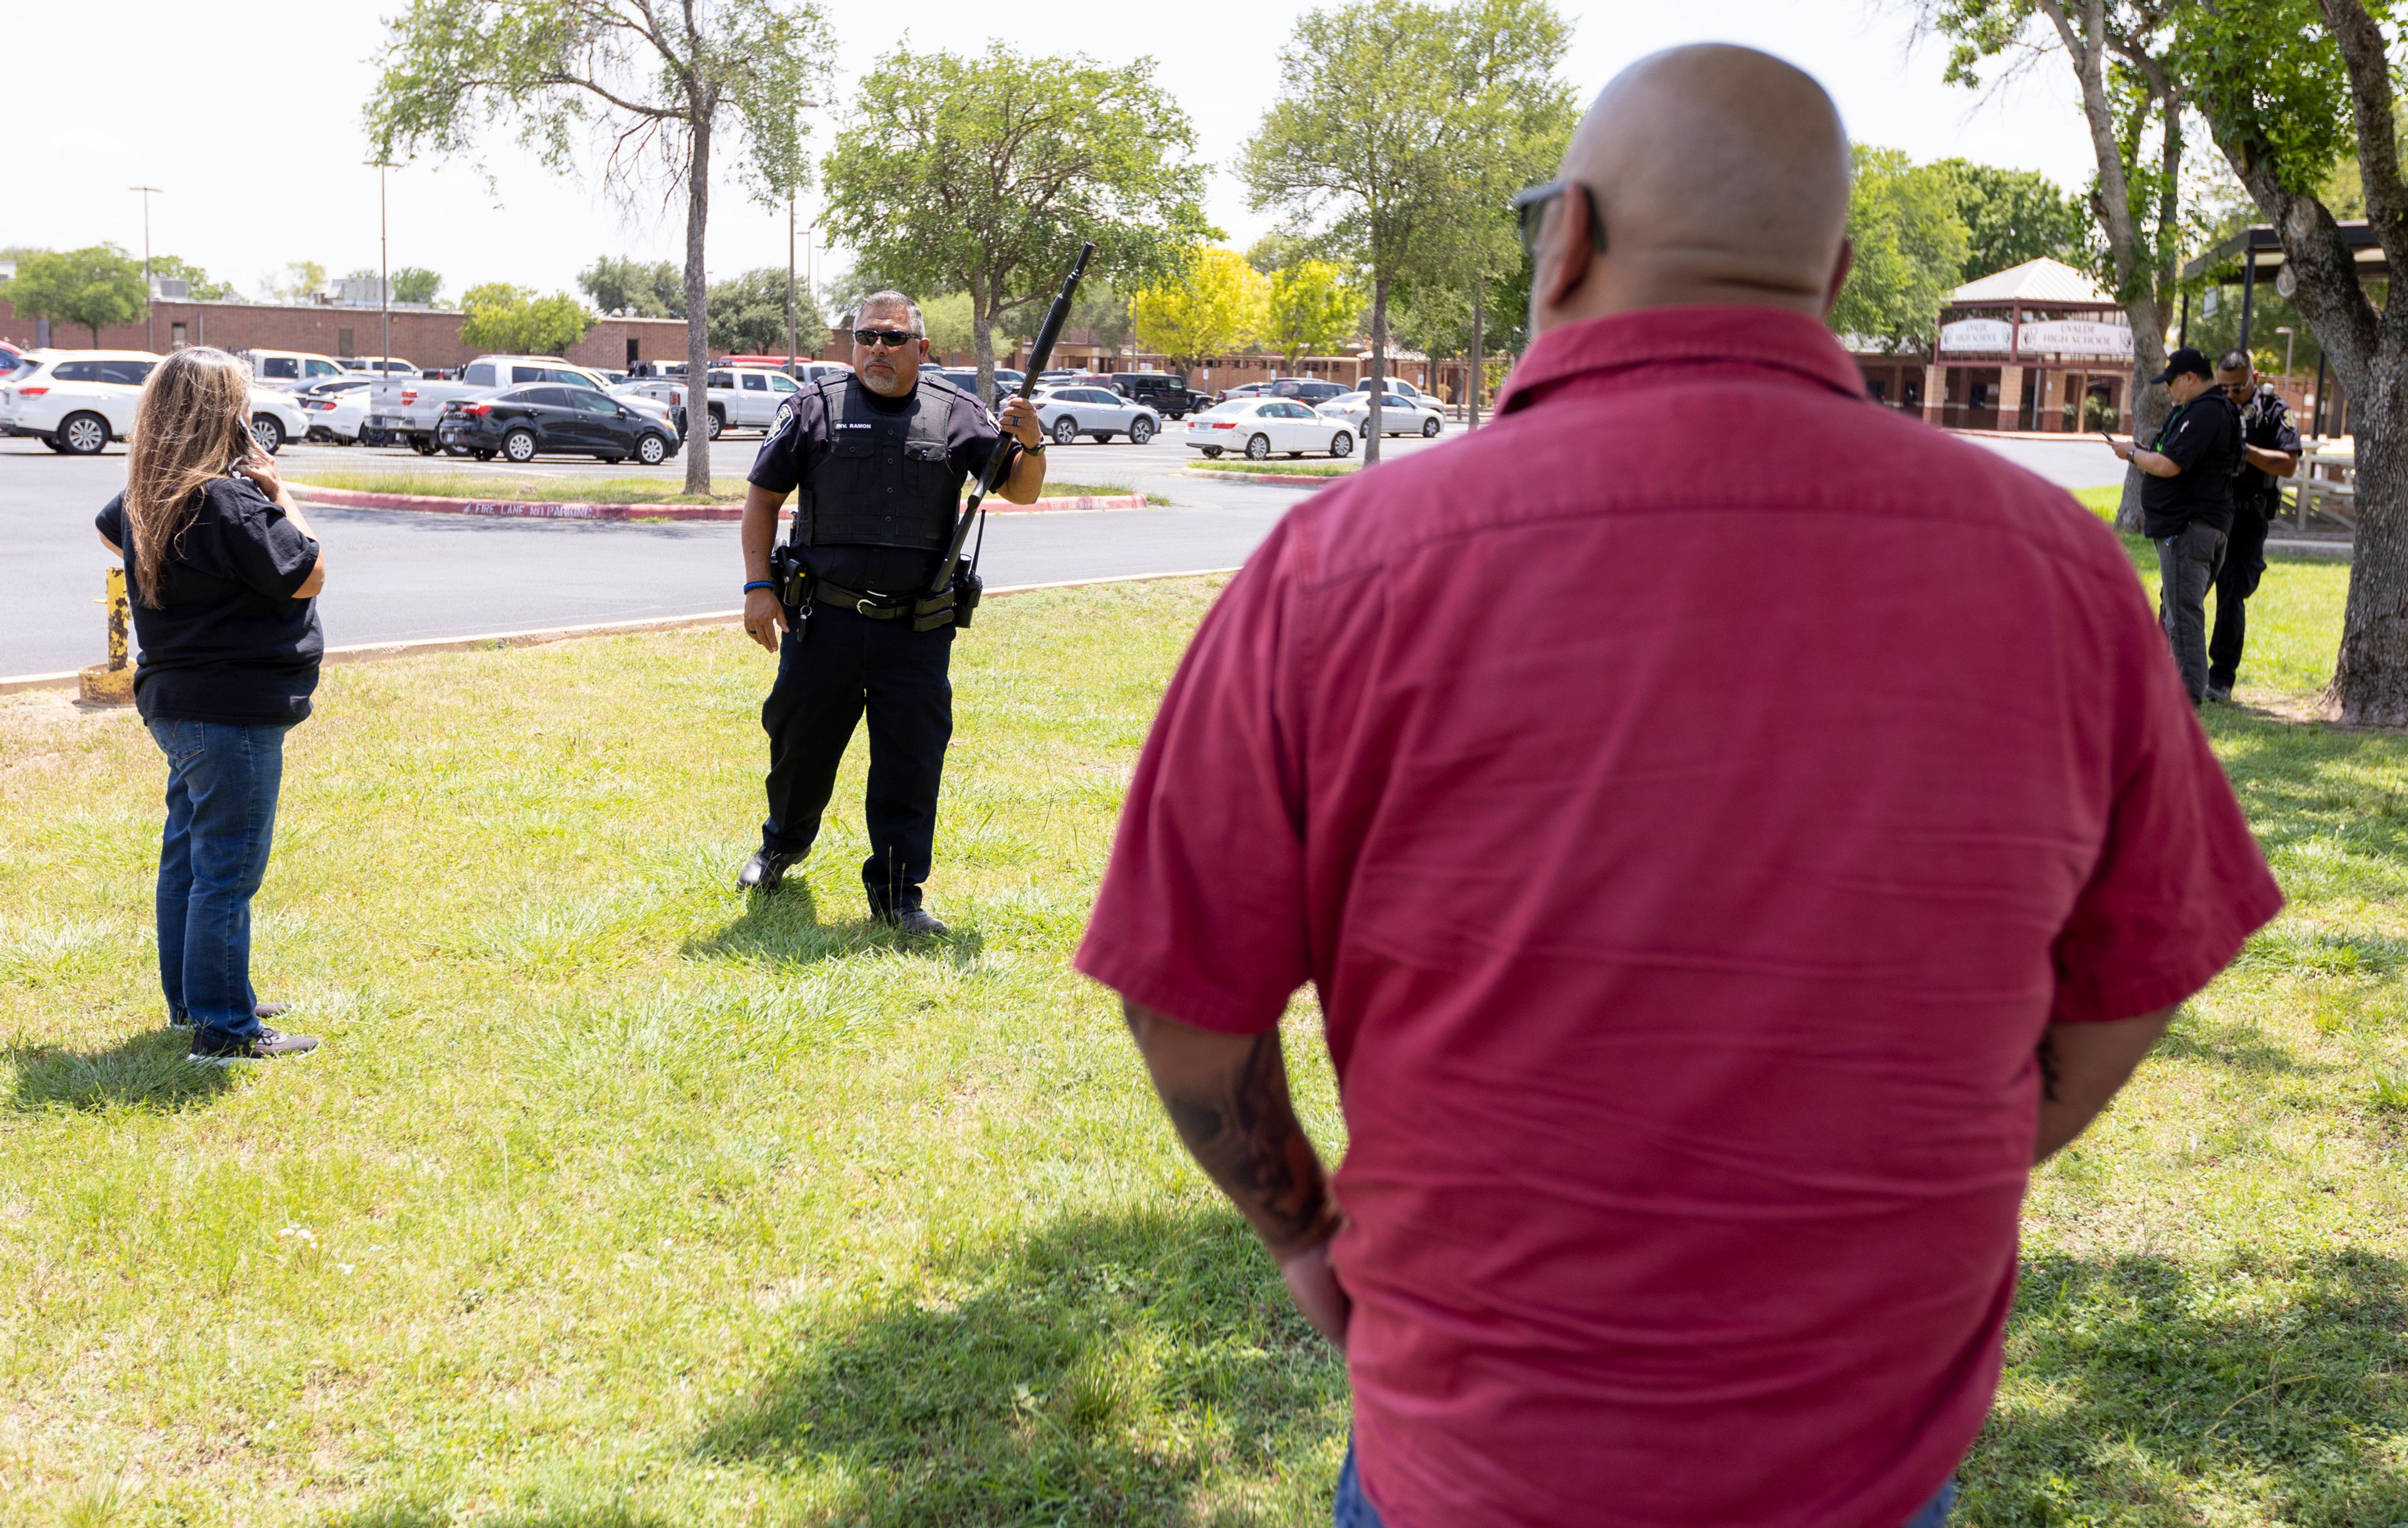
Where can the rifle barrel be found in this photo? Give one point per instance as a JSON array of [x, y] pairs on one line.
[[1039, 354]]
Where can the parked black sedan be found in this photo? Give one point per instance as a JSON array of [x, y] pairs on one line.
[[564, 421]]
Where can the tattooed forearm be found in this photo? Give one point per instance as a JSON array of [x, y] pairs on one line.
[[1227, 1097]]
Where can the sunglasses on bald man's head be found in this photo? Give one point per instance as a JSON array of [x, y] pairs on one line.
[[894, 340], [1530, 213]]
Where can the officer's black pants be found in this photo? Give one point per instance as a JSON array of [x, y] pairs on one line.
[[847, 664], [2244, 562]]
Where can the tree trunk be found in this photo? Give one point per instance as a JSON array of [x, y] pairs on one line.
[[1379, 365], [983, 338], [1478, 355], [697, 317], [2370, 682], [2082, 28], [2151, 402]]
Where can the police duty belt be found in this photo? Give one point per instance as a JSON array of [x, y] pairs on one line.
[[927, 613]]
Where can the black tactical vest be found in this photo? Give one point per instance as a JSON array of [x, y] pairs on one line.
[[886, 478]]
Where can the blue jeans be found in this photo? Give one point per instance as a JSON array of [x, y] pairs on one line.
[[222, 784], [1354, 1509]]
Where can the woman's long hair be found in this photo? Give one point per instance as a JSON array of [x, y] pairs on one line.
[[193, 422]]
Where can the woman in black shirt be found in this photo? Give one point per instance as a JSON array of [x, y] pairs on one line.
[[222, 571]]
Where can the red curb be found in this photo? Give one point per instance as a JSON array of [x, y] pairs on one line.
[[345, 498]]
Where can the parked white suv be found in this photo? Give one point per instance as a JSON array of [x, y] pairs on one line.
[[76, 402], [740, 398], [290, 368], [382, 366]]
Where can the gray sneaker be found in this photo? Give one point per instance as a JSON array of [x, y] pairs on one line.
[[2220, 692], [212, 1047]]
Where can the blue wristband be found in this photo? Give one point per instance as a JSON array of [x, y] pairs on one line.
[[759, 583]]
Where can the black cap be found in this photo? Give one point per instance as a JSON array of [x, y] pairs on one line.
[[2186, 360]]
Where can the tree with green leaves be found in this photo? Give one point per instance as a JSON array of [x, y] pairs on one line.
[[1216, 304], [649, 288], [300, 282], [946, 322], [416, 284], [1278, 249], [984, 174], [1910, 244], [748, 313], [2290, 89], [659, 82], [2015, 216], [1394, 123], [1311, 309], [92, 287], [2133, 102], [515, 322]]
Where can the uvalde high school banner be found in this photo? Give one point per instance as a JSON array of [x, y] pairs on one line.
[[2083, 338]]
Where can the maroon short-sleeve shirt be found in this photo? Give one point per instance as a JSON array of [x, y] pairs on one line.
[[1690, 795]]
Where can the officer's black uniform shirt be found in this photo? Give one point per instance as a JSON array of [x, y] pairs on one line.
[[2266, 424], [2203, 438], [800, 437]]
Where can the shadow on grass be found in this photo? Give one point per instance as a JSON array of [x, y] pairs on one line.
[[148, 1070], [2242, 1046], [1087, 1375], [784, 928], [2145, 1390]]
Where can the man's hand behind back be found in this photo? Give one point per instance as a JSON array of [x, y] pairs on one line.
[[1226, 1095]]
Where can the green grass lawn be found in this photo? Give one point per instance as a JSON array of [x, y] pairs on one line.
[[613, 1200], [571, 489], [1292, 469]]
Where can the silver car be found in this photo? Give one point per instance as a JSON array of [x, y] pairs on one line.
[[1399, 415], [1066, 413]]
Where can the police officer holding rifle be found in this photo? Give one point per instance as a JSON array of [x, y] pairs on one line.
[[861, 601]]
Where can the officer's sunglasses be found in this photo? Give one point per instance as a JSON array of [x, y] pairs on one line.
[[894, 340], [1530, 213]]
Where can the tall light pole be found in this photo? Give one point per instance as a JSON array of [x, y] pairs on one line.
[[149, 320], [790, 287], [384, 276]]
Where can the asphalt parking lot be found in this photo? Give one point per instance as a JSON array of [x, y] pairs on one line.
[[397, 576]]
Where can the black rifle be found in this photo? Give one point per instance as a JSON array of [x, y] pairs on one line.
[[938, 608]]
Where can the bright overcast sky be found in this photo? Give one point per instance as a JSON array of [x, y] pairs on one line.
[[254, 130]]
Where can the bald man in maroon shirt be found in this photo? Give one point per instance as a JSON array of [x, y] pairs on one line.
[[1729, 855]]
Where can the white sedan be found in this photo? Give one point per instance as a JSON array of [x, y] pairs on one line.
[[1399, 415], [76, 402], [1066, 413], [1257, 427], [337, 413]]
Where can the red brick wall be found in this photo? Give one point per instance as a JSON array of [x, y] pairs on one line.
[[428, 338]]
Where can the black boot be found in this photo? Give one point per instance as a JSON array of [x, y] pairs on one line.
[[765, 871], [915, 923]]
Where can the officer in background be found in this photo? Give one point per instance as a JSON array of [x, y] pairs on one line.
[[880, 456], [2270, 444], [2187, 504]]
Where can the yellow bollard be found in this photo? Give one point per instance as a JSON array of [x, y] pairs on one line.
[[112, 683]]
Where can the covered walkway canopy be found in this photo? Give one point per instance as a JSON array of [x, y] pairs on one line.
[[2256, 254]]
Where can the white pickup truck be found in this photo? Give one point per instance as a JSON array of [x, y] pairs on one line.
[[407, 412], [740, 398]]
